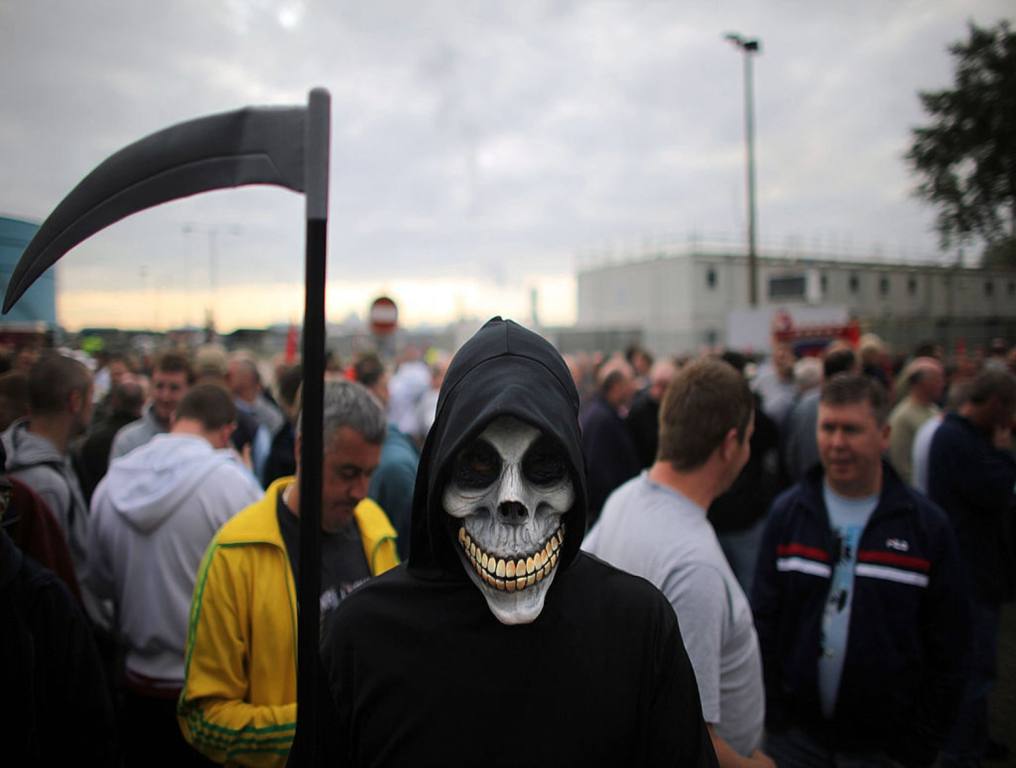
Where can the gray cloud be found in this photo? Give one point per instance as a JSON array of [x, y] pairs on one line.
[[471, 135]]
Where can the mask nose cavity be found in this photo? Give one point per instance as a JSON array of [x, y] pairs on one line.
[[512, 512]]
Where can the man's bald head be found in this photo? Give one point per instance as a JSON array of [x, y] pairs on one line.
[[616, 382], [660, 376], [243, 377], [926, 379]]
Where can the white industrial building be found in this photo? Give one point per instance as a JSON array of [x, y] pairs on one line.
[[683, 299]]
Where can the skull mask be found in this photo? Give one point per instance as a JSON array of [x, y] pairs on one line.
[[507, 493]]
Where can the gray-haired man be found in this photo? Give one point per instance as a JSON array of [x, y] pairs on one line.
[[239, 697]]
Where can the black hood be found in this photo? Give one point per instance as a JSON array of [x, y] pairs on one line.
[[503, 370]]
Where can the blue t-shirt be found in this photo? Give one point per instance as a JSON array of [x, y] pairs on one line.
[[848, 517]]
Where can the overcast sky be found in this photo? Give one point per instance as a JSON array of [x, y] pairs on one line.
[[478, 148]]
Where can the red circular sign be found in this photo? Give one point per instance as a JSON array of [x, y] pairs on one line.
[[384, 316], [782, 321]]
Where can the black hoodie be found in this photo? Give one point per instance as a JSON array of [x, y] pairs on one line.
[[421, 672]]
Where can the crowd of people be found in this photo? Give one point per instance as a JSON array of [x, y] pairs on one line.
[[862, 506], [829, 538]]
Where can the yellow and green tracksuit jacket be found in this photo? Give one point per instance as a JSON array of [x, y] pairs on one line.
[[238, 704]]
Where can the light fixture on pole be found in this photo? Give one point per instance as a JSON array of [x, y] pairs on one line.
[[749, 46], [213, 266]]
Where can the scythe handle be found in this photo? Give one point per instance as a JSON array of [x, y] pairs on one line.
[[312, 448]]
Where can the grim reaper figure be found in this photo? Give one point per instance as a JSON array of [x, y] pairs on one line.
[[500, 643]]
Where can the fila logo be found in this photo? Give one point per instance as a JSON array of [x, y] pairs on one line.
[[898, 544]]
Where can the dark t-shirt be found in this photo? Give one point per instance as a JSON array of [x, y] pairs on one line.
[[343, 564]]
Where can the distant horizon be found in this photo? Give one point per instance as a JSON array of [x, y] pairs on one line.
[[435, 303], [477, 151]]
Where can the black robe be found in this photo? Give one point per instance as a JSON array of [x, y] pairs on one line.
[[420, 672], [53, 696]]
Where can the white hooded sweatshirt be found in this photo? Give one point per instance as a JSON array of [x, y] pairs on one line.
[[152, 518]]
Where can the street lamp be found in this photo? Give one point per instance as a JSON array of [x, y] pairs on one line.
[[749, 46], [213, 262]]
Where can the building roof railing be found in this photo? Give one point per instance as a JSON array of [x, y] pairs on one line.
[[793, 249]]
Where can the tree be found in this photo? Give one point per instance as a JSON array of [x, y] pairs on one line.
[[1000, 253], [965, 157]]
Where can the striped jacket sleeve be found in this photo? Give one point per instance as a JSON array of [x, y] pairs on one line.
[[765, 602], [213, 710]]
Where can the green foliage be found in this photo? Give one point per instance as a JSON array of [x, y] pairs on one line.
[[965, 157], [1000, 253]]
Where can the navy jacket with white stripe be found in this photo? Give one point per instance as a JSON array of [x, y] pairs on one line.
[[908, 625]]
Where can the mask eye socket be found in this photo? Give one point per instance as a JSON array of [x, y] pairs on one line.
[[477, 466], [544, 463]]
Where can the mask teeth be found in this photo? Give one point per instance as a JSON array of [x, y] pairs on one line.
[[513, 574]]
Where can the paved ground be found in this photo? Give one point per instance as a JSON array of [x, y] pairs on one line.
[[1003, 702]]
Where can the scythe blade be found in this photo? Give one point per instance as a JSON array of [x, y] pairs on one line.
[[255, 145], [286, 147]]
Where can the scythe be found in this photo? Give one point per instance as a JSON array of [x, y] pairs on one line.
[[285, 147]]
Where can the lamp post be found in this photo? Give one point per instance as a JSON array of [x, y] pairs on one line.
[[213, 263], [749, 46]]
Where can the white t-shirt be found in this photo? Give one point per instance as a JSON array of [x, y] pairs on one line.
[[920, 452], [655, 532], [847, 518]]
